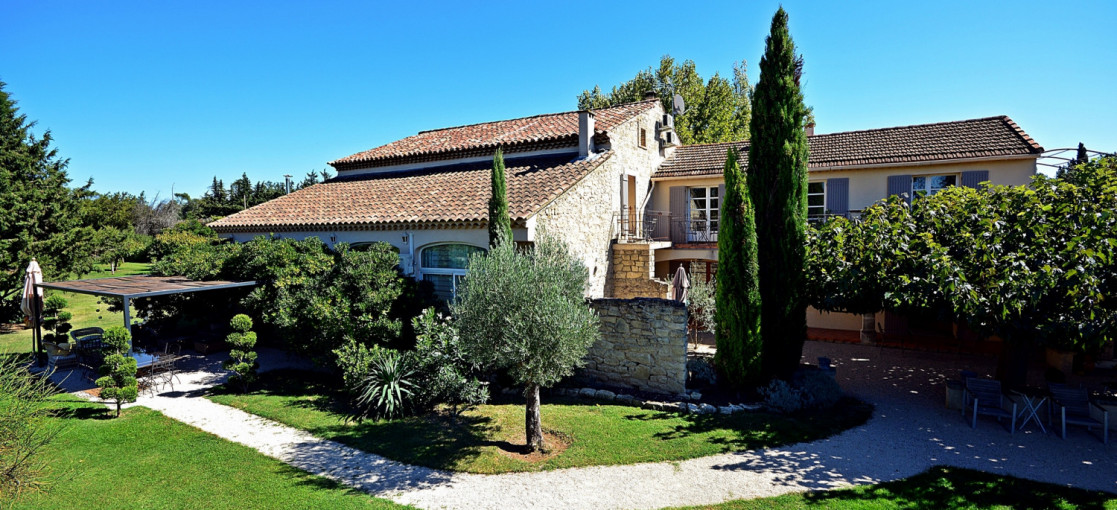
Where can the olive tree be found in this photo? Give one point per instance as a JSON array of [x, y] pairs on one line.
[[523, 310]]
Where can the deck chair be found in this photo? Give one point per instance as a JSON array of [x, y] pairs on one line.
[[984, 396], [1072, 405]]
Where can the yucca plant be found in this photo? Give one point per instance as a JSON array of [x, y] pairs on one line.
[[384, 391]]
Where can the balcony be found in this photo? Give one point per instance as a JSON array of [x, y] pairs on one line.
[[662, 226]]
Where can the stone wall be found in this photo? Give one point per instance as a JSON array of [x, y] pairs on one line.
[[632, 271], [642, 346]]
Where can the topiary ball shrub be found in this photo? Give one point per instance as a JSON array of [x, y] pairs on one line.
[[819, 389]]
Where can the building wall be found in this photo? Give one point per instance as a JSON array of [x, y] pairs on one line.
[[633, 273], [642, 346], [409, 251], [585, 215], [868, 185]]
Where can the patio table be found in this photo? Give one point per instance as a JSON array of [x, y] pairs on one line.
[[1032, 401]]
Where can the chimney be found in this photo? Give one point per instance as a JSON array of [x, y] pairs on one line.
[[585, 133], [649, 94], [810, 129]]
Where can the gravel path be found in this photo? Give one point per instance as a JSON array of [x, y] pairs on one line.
[[910, 432]]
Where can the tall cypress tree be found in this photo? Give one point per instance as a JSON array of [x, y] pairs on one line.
[[499, 222], [778, 187], [738, 294]]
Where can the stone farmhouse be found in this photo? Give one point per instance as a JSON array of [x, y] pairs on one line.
[[617, 187]]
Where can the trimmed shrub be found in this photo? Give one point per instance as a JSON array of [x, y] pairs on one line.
[[118, 374], [819, 389], [242, 359], [781, 397]]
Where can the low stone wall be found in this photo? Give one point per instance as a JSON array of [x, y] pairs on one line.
[[632, 273], [642, 346]]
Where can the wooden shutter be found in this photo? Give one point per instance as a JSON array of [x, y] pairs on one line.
[[624, 194], [900, 185], [837, 196], [974, 178], [679, 214]]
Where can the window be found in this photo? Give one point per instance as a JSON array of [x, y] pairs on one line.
[[923, 185], [704, 211], [444, 266], [816, 199], [643, 140]]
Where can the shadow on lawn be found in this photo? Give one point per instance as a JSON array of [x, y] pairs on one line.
[[435, 440], [944, 487], [766, 430]]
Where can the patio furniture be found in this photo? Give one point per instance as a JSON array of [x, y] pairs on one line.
[[1072, 405], [984, 396], [90, 356], [79, 334], [60, 356], [1033, 401]]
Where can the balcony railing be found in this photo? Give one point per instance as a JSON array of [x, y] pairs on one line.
[[635, 226]]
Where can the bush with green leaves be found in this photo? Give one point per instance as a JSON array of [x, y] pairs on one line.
[[354, 360], [25, 429], [118, 375], [443, 373], [56, 320], [386, 388], [242, 359], [524, 311]]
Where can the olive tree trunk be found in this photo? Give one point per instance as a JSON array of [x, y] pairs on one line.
[[531, 417]]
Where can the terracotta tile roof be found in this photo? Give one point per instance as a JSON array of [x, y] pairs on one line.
[[975, 138], [527, 133], [454, 194]]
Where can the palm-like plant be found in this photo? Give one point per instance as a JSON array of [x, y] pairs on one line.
[[385, 389]]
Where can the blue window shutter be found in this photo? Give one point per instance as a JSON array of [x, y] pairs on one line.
[[679, 214], [837, 196], [900, 185], [974, 178]]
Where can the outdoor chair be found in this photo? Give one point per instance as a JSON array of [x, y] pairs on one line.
[[984, 396], [1072, 405], [163, 370], [80, 334], [60, 356]]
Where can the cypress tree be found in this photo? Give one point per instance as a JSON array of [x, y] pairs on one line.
[[499, 222], [738, 294], [777, 184]]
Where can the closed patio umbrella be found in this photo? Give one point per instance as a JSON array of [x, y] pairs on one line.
[[681, 284], [32, 302]]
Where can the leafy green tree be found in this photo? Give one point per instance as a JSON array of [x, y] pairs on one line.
[[717, 110], [40, 215], [702, 302], [500, 224], [1033, 264], [525, 311], [739, 343], [443, 373], [242, 359], [778, 188], [118, 375], [110, 210]]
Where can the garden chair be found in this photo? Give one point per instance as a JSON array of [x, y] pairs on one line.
[[984, 396], [80, 334], [1072, 405]]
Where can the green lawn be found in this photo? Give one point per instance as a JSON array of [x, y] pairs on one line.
[[146, 460], [939, 488], [489, 438], [88, 311]]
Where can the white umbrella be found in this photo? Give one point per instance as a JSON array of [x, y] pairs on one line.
[[34, 276], [681, 284]]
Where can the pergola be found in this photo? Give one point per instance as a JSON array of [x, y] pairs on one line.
[[132, 287]]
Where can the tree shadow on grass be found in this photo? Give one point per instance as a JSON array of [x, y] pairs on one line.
[[756, 430], [945, 487], [69, 407]]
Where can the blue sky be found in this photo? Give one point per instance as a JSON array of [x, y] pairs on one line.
[[143, 96]]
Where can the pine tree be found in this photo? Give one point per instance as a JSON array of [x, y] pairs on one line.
[[738, 295], [40, 215], [499, 222], [777, 184]]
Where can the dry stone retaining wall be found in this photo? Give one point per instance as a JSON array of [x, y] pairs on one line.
[[642, 346], [632, 273]]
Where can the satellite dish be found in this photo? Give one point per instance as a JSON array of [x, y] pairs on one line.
[[680, 106]]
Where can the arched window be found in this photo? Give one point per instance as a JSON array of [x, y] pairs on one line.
[[444, 266]]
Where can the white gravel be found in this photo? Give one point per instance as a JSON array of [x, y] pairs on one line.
[[911, 431]]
